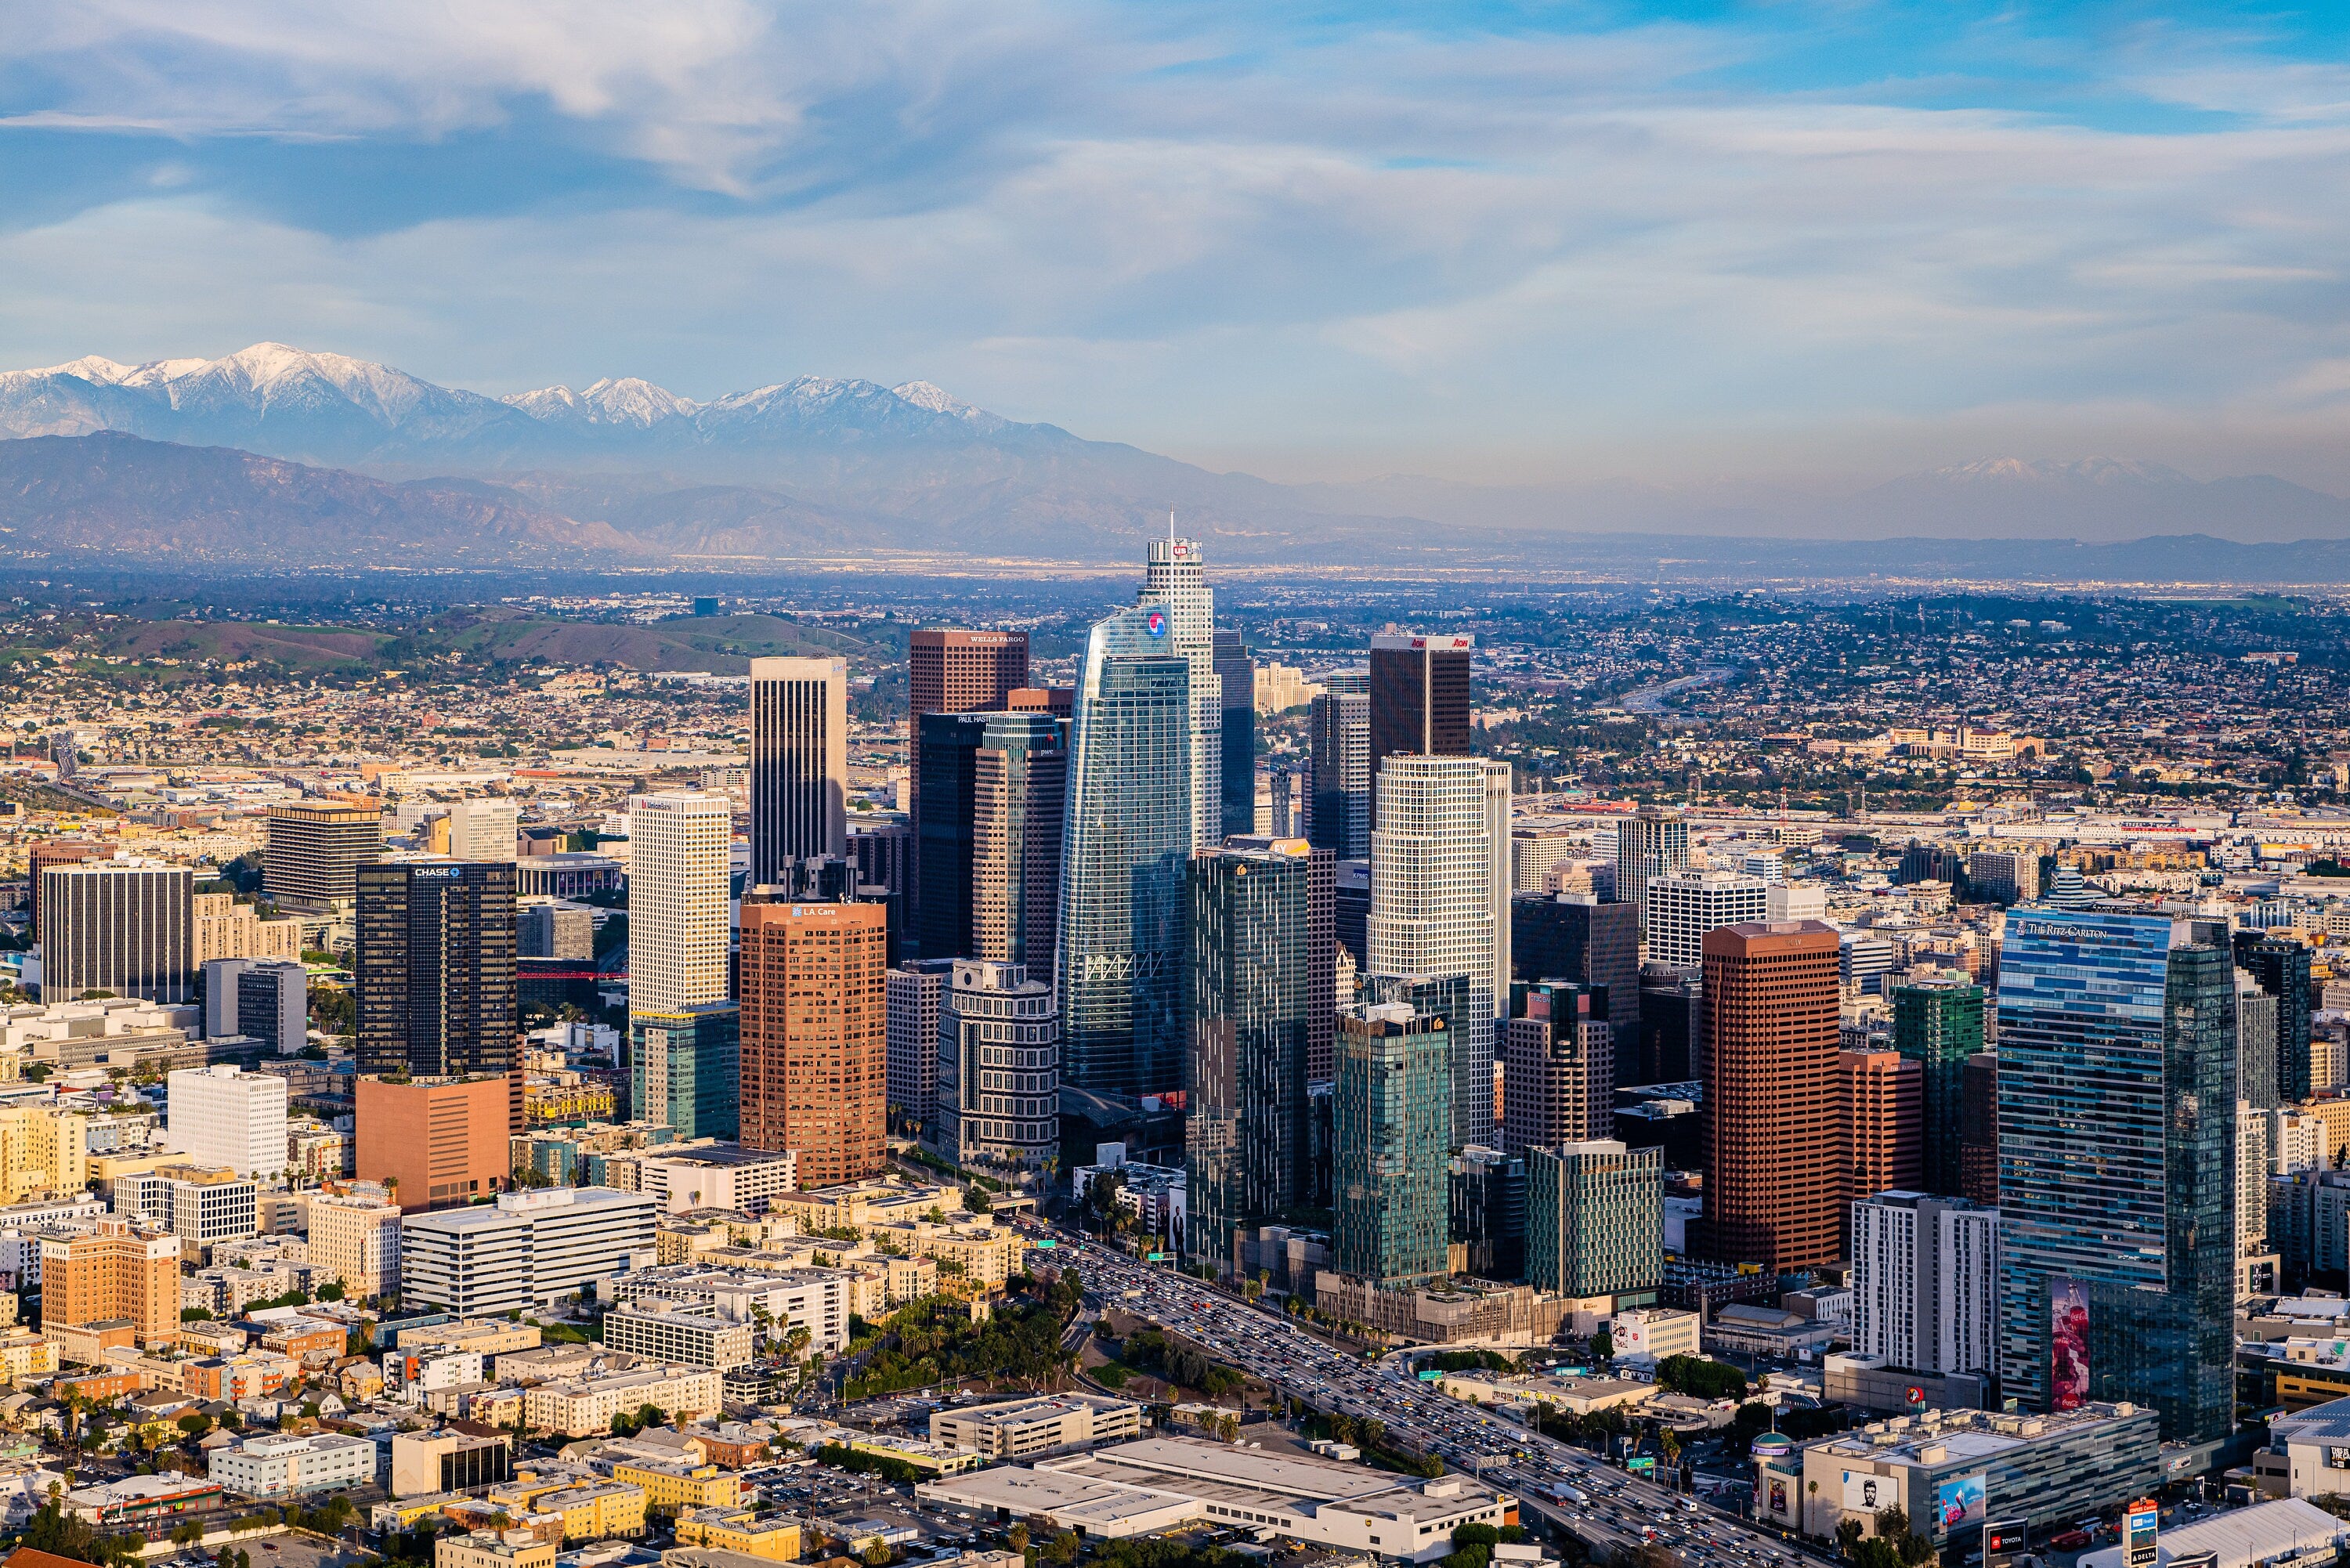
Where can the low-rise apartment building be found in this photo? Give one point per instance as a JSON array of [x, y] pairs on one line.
[[1020, 1429], [282, 1466]]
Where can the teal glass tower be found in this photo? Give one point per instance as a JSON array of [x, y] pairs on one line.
[[1393, 1115], [685, 1069], [2117, 1167], [1595, 1220], [1939, 1023], [1126, 836]]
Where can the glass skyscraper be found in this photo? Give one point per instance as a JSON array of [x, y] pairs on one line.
[[2116, 1156], [1236, 742], [2281, 968], [1595, 1219], [1253, 999], [1939, 1023], [685, 1069], [1436, 861], [1126, 837], [1393, 1116], [1174, 583]]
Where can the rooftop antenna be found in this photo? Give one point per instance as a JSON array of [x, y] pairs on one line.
[[1171, 525]]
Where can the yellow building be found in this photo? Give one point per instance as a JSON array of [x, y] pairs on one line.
[[773, 1536], [492, 1549], [227, 929], [42, 1152], [676, 1489], [987, 1254], [550, 1100], [597, 1512], [24, 1354]]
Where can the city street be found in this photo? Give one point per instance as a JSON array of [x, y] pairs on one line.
[[1593, 1500]]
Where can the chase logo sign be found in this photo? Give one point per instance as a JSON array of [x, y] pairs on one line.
[[1156, 621], [436, 873]]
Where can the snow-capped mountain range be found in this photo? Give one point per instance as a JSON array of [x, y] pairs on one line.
[[335, 407], [817, 465]]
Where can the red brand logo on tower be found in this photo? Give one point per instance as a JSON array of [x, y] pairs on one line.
[[1157, 621]]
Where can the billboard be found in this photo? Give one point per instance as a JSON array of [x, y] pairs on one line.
[[1960, 1502], [2068, 1343], [1778, 1498], [2141, 1523], [2004, 1541], [1866, 1493]]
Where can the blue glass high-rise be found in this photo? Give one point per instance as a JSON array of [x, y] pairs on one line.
[[1126, 837], [2116, 1164]]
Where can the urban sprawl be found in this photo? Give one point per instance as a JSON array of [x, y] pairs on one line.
[[1737, 1083]]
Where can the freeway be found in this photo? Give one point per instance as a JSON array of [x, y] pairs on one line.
[[1597, 1502]]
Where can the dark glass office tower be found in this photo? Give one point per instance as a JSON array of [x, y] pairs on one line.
[[435, 970], [1020, 786], [1420, 700], [1978, 1130], [1574, 936], [1236, 674], [945, 833], [1127, 835], [1939, 1024], [799, 764], [1257, 991], [2282, 968], [1489, 1212], [1338, 767], [2117, 1155]]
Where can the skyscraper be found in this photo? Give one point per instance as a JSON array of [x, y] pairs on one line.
[[799, 763], [1174, 583], [1257, 996], [122, 925], [1419, 700], [685, 1068], [1489, 1212], [1558, 1065], [1595, 1220], [1338, 766], [1126, 835], [1432, 908], [484, 829], [310, 855], [1939, 1023], [1236, 764], [2116, 1153], [814, 1034], [1574, 936], [2258, 1058], [1978, 1129], [1393, 1115], [1925, 1283], [1879, 1110], [2280, 966], [1684, 905], [945, 832], [678, 905], [1652, 842], [911, 994], [435, 970], [1769, 1029], [51, 852], [1019, 788], [955, 671], [999, 1073]]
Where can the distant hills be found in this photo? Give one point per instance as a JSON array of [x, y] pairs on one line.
[[278, 455]]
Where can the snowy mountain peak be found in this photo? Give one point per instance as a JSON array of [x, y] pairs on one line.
[[90, 367], [623, 400], [932, 397], [2086, 471]]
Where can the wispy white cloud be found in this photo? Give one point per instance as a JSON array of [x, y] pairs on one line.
[[1228, 232]]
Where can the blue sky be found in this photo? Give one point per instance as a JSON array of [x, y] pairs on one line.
[[1799, 241]]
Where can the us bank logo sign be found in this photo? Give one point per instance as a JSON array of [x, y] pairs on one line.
[[1156, 622]]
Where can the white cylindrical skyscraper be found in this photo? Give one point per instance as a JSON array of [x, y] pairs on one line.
[[1435, 862], [677, 899]]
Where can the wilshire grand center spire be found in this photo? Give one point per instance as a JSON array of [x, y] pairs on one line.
[[1144, 754]]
